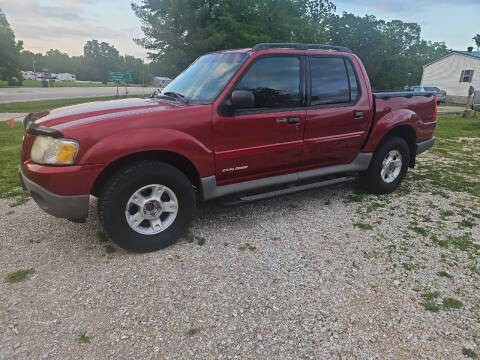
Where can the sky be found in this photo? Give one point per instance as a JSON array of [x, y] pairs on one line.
[[68, 24]]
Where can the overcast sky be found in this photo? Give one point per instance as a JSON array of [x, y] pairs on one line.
[[67, 24]]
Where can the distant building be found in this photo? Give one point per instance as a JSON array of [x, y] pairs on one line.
[[454, 73], [66, 77], [28, 75], [161, 81]]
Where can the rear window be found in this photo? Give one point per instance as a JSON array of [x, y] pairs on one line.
[[333, 81], [431, 88]]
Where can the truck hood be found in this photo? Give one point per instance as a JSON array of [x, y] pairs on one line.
[[100, 110]]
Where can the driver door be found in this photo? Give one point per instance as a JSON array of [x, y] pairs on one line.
[[267, 139]]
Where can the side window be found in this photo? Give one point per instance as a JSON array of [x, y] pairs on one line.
[[275, 82], [354, 90], [330, 82], [466, 76]]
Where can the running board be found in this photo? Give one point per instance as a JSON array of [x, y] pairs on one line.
[[234, 201]]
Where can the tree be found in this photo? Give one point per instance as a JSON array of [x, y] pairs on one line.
[[9, 53], [99, 60], [476, 38], [393, 52], [178, 31]]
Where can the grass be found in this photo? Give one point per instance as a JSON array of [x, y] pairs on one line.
[[469, 353], [83, 338], [362, 226], [109, 249], [20, 201], [247, 246], [10, 145], [451, 303], [445, 274], [451, 126], [38, 83], [199, 239], [193, 331], [430, 295], [408, 267], [19, 275], [430, 306], [41, 105], [102, 237]]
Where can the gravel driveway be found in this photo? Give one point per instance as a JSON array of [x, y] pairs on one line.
[[324, 274]]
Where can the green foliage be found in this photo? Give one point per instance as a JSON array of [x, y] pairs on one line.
[[470, 353], [476, 38], [83, 338], [451, 303], [178, 31], [390, 50], [19, 275], [98, 60], [9, 53]]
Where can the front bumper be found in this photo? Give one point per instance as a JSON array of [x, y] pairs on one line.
[[72, 207], [425, 145]]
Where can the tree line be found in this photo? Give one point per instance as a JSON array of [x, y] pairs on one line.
[[98, 59], [176, 32]]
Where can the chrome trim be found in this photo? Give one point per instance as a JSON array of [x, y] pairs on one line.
[[210, 190]]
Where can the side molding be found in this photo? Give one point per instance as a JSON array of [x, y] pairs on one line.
[[210, 190]]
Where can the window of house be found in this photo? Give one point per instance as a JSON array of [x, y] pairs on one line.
[[466, 76], [275, 82], [330, 82]]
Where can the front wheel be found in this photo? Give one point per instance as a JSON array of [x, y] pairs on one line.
[[146, 206], [388, 167]]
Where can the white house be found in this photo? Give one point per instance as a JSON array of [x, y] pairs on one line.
[[454, 73]]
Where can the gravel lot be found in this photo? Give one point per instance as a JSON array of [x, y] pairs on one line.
[[325, 274]]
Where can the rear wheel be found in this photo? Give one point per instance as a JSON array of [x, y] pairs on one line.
[[146, 206], [388, 167]]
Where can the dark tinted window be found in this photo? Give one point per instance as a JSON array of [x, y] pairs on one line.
[[329, 81], [431, 88], [275, 82], [354, 90]]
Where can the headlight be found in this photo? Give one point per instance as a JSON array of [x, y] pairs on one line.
[[48, 150]]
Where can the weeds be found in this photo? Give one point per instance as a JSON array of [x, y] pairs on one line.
[[19, 275]]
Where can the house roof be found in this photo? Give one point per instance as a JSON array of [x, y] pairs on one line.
[[475, 54], [469, 53]]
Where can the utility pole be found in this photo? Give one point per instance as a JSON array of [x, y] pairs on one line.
[[34, 72], [143, 61]]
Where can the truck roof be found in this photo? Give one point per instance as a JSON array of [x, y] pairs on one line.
[[288, 46]]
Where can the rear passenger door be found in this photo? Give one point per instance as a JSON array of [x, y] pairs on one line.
[[338, 112]]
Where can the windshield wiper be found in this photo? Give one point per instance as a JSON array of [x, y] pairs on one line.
[[176, 95]]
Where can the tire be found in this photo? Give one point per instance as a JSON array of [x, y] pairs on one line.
[[391, 150], [161, 189]]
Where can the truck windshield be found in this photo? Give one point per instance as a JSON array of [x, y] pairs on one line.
[[206, 77]]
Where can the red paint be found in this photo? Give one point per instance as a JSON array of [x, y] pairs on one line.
[[233, 148]]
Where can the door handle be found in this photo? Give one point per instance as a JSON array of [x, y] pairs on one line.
[[281, 120], [293, 120], [358, 114]]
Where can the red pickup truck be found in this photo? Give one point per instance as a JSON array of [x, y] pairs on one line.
[[234, 122]]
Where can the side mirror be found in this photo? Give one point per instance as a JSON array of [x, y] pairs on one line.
[[242, 99]]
